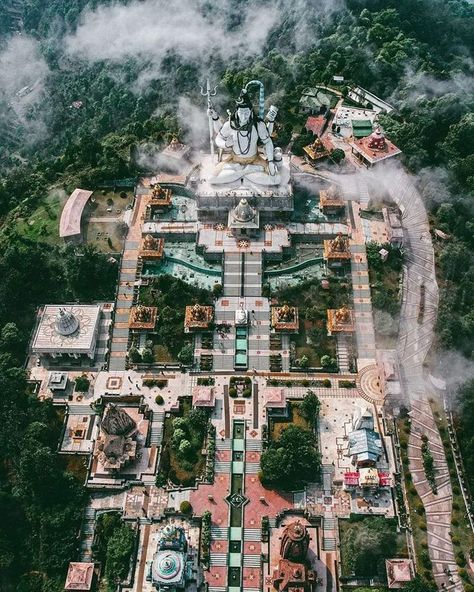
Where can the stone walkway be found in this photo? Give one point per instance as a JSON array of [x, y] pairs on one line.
[[438, 508], [127, 291], [414, 341]]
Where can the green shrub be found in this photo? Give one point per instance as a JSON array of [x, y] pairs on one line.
[[247, 392], [327, 383], [232, 392], [185, 507], [82, 384], [159, 400], [460, 559]]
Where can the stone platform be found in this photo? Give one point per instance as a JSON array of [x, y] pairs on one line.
[[214, 198]]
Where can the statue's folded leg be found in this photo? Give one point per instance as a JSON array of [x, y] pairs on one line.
[[262, 178], [228, 174]]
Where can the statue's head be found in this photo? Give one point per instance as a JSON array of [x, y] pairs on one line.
[[243, 114]]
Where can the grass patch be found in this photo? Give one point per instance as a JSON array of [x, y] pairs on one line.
[[277, 425], [42, 224]]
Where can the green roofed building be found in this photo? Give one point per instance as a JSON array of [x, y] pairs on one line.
[[361, 128]]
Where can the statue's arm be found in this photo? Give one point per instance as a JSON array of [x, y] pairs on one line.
[[224, 138], [266, 140], [216, 120]]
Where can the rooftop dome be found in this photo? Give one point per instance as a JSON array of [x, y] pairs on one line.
[[244, 211], [66, 322], [167, 566], [117, 422]]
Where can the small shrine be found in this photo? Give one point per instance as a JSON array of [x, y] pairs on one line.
[[340, 320], [315, 151], [198, 317], [116, 445], [336, 251], [374, 148], [285, 318], [143, 317], [330, 200], [399, 572], [159, 196], [176, 150], [243, 218], [151, 247]]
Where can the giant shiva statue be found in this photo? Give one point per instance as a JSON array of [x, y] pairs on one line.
[[239, 138]]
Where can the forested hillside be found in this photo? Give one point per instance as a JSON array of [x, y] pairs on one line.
[[84, 82]]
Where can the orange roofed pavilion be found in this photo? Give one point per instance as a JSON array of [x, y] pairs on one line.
[[151, 247], [198, 317], [143, 317], [340, 320], [285, 318]]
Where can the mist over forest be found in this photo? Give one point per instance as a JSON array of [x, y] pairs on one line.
[[86, 85]]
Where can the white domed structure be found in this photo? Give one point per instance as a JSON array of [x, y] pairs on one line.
[[66, 322], [243, 216]]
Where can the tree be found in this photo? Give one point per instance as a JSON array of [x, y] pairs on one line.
[[290, 461], [198, 419], [337, 155], [147, 356], [134, 355], [185, 448], [185, 507], [309, 407], [119, 551], [186, 355], [82, 384]]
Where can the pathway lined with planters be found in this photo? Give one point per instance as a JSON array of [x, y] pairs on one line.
[[438, 507]]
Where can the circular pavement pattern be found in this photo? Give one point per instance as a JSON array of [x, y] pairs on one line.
[[369, 384]]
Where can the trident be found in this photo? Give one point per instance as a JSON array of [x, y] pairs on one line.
[[208, 93]]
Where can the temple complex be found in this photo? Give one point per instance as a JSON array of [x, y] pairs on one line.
[[256, 318]]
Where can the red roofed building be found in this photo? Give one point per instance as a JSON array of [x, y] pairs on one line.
[[316, 124], [79, 576], [374, 148]]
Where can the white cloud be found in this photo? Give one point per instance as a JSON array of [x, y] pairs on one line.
[[23, 72], [152, 28]]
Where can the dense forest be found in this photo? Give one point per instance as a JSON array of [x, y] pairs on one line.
[[85, 83]]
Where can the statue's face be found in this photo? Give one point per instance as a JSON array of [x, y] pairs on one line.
[[243, 115]]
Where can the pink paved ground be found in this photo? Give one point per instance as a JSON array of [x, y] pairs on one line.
[[219, 508], [250, 577], [255, 509]]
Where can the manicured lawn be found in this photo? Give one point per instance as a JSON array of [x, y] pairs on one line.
[[312, 302], [171, 296], [277, 425]]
